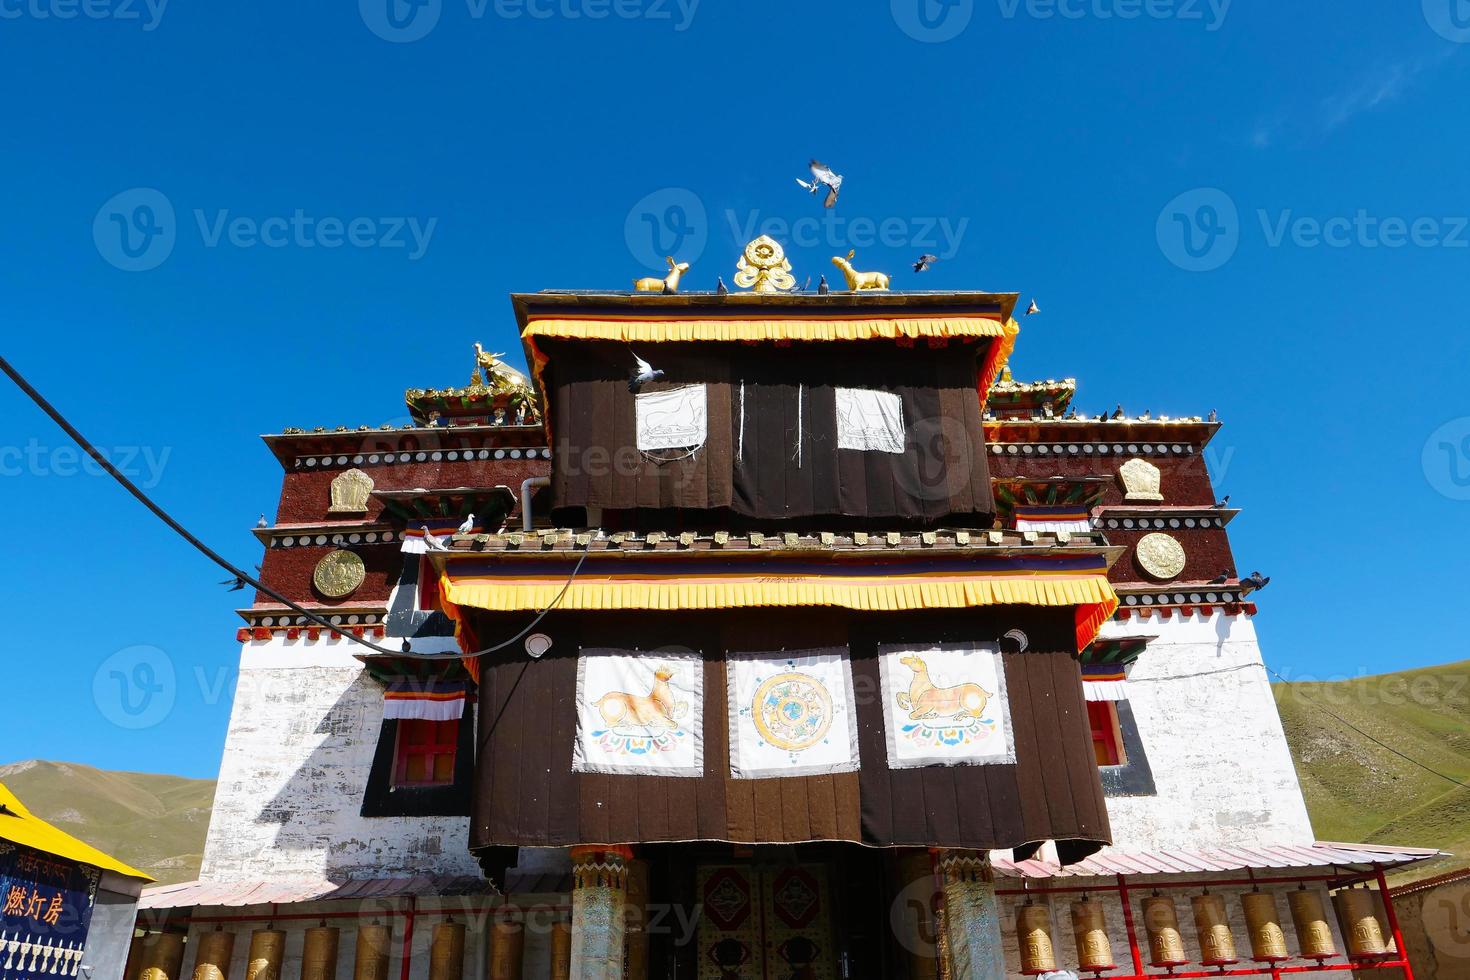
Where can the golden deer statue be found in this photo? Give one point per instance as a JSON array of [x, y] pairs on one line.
[[857, 281], [668, 284]]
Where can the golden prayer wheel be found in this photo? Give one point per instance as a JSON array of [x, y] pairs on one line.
[[1033, 934], [319, 953], [1090, 929], [507, 942], [371, 962], [1263, 922], [561, 951], [267, 950], [1389, 946], [446, 952], [1358, 913], [162, 956], [1313, 934], [212, 962], [1165, 944], [134, 965], [1212, 925]]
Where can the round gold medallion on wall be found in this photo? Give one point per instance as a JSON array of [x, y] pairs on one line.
[[1160, 556], [339, 574]]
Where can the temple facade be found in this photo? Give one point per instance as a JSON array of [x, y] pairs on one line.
[[756, 635]]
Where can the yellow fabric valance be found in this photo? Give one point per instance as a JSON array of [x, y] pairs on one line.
[[19, 826], [817, 328], [624, 584]]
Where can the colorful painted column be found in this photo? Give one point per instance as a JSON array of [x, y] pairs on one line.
[[971, 916], [599, 910]]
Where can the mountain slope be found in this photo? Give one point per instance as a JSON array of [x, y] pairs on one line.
[[1363, 792], [155, 823]]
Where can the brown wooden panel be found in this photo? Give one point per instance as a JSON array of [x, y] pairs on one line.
[[527, 794], [790, 401]]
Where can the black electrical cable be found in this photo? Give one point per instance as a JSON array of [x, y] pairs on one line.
[[214, 556], [1296, 692]]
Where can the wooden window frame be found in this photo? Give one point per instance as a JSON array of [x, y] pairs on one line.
[[1107, 734], [445, 743]]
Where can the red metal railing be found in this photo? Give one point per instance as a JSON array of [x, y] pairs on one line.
[[1341, 962]]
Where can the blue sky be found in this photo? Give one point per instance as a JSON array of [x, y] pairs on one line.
[[444, 155]]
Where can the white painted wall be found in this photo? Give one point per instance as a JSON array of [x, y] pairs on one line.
[[1213, 737], [302, 734]]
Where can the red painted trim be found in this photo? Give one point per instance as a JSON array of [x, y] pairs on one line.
[[407, 955], [1393, 922]]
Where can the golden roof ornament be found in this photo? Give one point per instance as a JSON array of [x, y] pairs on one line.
[[668, 284], [764, 267], [1141, 481], [860, 281]]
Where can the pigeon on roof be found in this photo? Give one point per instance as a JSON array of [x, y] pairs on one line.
[[431, 542], [468, 525]]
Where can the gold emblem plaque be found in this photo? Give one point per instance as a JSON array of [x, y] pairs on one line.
[[1161, 556], [339, 574]]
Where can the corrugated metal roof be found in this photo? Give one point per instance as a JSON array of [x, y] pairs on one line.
[[288, 891], [1112, 861]]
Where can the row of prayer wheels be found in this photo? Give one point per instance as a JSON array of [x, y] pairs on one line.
[[160, 956], [1357, 909]]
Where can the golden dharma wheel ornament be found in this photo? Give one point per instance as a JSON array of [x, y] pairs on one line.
[[1160, 555], [339, 574], [764, 268]]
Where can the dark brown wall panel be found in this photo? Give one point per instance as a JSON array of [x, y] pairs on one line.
[[772, 451], [528, 795]]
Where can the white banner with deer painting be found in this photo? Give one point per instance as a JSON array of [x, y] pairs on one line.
[[945, 705], [640, 713]]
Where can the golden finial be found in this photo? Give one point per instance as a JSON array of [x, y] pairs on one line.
[[668, 284], [858, 281], [764, 268]]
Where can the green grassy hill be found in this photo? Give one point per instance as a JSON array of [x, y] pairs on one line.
[[1361, 792], [155, 823]]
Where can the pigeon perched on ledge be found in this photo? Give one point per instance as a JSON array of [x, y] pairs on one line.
[[431, 542]]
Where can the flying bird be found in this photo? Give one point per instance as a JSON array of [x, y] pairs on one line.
[[720, 286], [823, 176], [467, 526], [431, 542], [236, 584], [924, 262], [642, 374], [822, 288], [1033, 309]]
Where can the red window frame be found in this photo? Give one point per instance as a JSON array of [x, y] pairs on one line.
[[1107, 737], [424, 752], [429, 600]]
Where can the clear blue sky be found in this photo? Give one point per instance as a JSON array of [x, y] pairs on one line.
[[1052, 145]]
